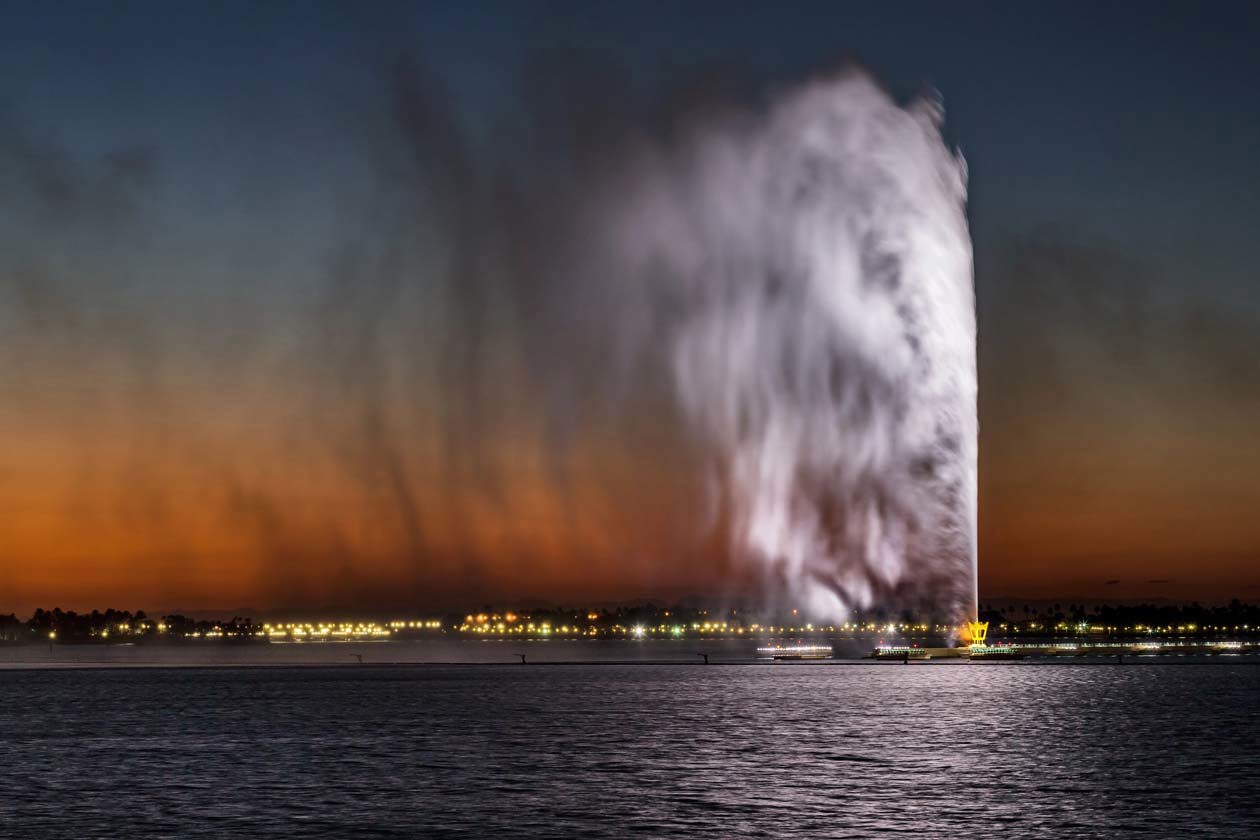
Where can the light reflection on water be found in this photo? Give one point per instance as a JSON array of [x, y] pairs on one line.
[[608, 750]]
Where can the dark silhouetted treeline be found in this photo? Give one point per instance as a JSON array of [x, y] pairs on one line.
[[114, 626], [1234, 618]]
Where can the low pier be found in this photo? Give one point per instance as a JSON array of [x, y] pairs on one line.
[[1118, 652]]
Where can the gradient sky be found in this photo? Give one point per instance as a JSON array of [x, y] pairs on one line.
[[228, 378]]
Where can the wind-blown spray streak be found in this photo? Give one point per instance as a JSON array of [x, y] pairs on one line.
[[823, 340]]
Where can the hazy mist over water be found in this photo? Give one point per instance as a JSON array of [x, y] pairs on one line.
[[605, 750]]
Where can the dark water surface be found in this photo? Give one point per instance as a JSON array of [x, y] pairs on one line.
[[786, 750]]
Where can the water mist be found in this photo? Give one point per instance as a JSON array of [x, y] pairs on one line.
[[822, 339]]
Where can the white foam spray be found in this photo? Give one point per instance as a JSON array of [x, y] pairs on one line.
[[822, 339]]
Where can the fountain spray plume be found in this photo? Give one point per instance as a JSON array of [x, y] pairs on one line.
[[817, 263], [784, 292]]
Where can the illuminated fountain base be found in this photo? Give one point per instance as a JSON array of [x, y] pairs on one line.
[[978, 631]]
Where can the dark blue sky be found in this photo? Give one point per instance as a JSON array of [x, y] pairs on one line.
[[1133, 123]]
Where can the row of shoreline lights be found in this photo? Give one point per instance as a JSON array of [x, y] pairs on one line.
[[641, 631], [483, 625], [510, 623], [325, 630]]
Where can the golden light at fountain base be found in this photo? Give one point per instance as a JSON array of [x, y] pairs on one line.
[[977, 631]]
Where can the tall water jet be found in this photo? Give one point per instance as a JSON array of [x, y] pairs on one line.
[[818, 263], [784, 292]]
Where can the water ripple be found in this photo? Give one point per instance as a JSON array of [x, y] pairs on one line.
[[611, 751]]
